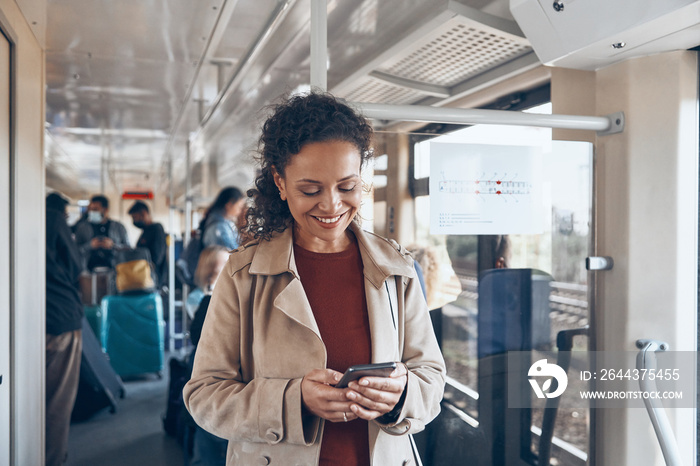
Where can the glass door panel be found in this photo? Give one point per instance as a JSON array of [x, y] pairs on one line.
[[514, 292]]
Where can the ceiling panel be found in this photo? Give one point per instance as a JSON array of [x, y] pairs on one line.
[[129, 82]]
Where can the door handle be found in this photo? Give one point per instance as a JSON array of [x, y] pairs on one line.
[[599, 263]]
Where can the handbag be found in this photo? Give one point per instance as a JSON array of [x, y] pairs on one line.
[[414, 448], [135, 271], [134, 275]]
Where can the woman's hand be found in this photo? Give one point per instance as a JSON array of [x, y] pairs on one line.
[[323, 400], [375, 396]]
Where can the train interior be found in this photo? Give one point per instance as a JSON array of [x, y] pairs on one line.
[[572, 129]]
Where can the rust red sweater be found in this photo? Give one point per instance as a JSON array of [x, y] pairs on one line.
[[334, 286]]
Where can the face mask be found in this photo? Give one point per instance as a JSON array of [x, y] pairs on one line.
[[94, 216], [140, 225]]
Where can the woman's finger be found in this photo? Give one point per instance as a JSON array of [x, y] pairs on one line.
[[367, 385], [326, 376], [364, 413], [382, 403]]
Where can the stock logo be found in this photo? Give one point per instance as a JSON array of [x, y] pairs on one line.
[[542, 368]]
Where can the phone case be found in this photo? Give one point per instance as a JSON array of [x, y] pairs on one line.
[[380, 369]]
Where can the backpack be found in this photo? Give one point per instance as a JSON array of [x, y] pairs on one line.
[[177, 421], [187, 263]]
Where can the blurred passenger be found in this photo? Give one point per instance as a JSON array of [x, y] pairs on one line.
[[219, 225], [208, 450], [294, 309], [100, 236], [81, 219], [494, 252], [152, 238], [441, 284], [211, 261], [64, 313]]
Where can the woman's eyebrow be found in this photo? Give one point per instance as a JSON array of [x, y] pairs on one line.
[[307, 180]]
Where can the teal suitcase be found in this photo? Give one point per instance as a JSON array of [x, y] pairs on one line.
[[132, 333]]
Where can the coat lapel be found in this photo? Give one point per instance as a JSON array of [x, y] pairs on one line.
[[275, 257], [382, 261], [293, 302], [383, 328]]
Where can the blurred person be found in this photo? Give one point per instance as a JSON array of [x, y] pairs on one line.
[[64, 313], [208, 449], [307, 299], [441, 284], [219, 225], [99, 236], [152, 238], [494, 252], [208, 268]]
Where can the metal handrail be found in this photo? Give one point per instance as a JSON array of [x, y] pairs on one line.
[[646, 359]]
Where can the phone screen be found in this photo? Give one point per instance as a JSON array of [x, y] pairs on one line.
[[380, 369]]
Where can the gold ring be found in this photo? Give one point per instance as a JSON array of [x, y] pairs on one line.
[[345, 418]]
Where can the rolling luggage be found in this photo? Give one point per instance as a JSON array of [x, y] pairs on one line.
[[99, 386], [133, 332], [95, 285], [94, 318]]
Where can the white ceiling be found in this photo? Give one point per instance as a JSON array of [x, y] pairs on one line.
[[130, 82]]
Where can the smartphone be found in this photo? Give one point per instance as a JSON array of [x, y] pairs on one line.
[[379, 369]]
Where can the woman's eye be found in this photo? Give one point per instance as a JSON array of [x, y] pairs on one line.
[[310, 193], [348, 189]]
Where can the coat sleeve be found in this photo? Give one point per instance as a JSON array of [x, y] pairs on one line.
[[83, 236], [160, 247], [426, 366], [120, 236], [225, 401]]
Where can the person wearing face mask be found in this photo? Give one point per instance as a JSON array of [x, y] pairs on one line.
[[152, 238], [99, 236]]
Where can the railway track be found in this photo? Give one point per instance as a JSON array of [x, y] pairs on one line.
[[568, 302]]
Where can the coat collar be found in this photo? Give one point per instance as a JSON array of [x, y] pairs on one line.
[[381, 258]]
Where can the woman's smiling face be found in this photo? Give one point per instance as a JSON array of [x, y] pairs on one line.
[[323, 189]]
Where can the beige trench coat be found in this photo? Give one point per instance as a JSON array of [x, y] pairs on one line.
[[260, 338]]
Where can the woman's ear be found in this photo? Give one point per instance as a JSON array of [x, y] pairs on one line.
[[279, 182]]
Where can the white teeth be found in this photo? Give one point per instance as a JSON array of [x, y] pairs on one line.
[[328, 220]]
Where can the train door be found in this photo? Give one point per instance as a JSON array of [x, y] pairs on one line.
[[5, 170], [524, 288]]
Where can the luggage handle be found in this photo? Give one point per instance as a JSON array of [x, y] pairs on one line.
[[93, 287]]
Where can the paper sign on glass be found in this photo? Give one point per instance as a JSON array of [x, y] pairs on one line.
[[478, 189]]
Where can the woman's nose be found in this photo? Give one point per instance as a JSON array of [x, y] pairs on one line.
[[330, 202]]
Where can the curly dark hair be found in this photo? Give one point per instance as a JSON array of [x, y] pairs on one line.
[[299, 120]]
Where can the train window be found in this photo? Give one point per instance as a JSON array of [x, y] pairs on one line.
[[554, 259], [379, 167], [368, 210]]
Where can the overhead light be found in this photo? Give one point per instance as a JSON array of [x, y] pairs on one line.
[[301, 89], [619, 45]]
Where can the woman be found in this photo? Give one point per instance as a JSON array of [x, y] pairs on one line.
[[219, 223], [312, 296]]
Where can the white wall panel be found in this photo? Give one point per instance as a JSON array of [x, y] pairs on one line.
[[4, 247], [27, 230]]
